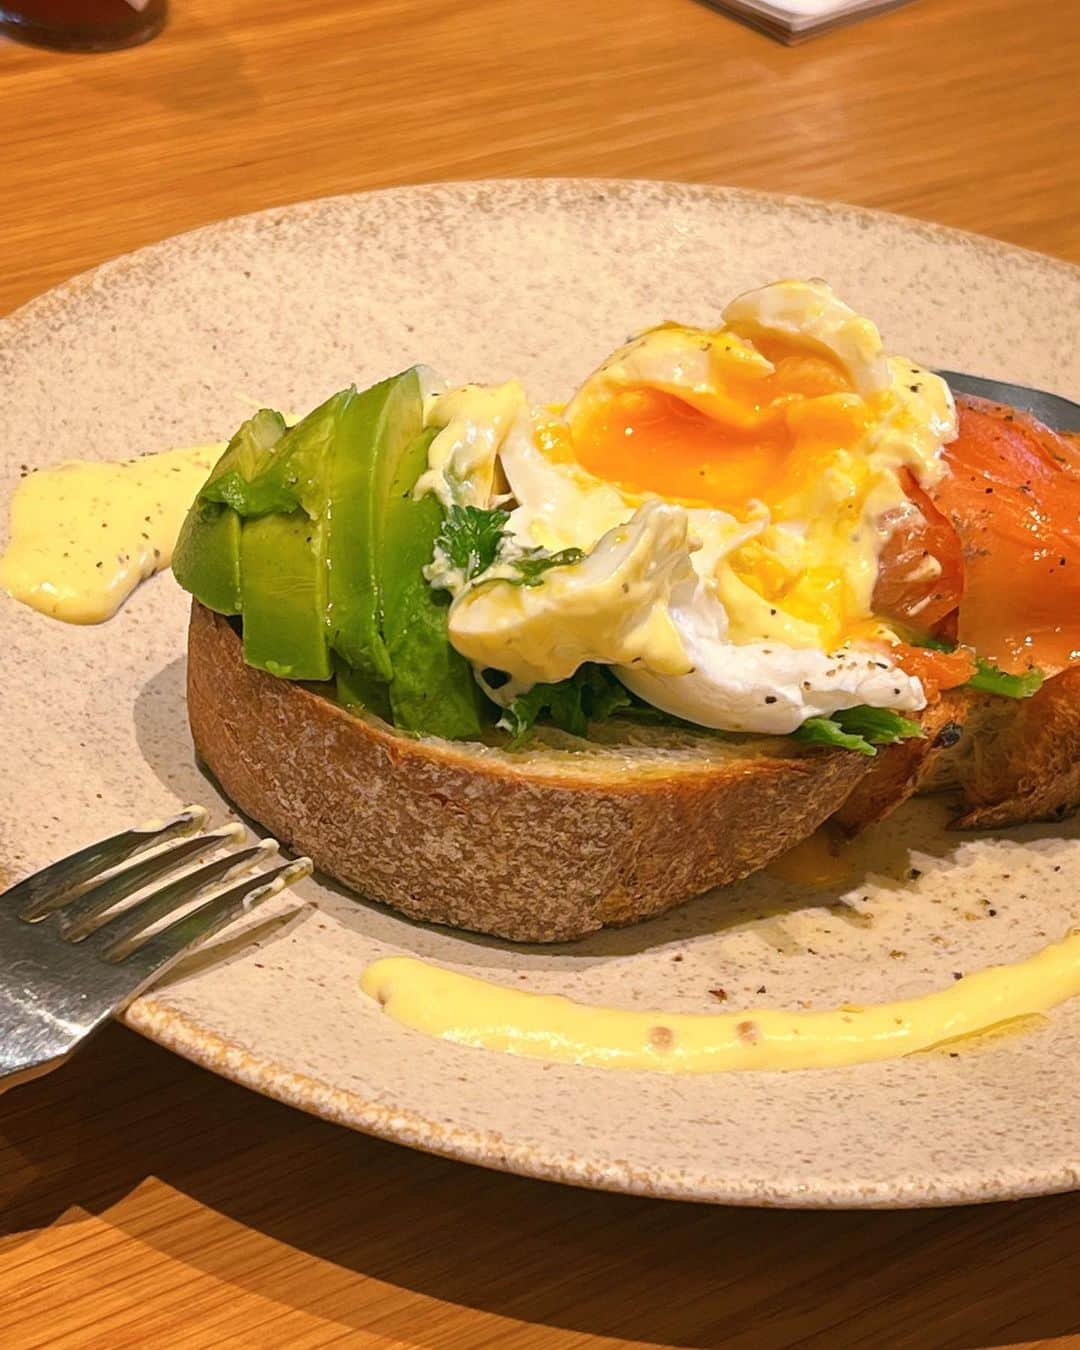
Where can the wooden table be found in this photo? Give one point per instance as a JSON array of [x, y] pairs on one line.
[[144, 1202]]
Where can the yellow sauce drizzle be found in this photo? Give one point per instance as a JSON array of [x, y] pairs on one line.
[[474, 1012], [83, 535]]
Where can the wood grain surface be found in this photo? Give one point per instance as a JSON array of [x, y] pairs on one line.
[[144, 1202]]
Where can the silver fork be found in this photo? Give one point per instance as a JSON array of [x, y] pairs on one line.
[[68, 962]]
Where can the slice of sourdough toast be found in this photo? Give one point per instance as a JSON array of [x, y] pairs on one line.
[[537, 845], [1012, 760]]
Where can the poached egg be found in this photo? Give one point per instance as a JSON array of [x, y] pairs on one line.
[[723, 496]]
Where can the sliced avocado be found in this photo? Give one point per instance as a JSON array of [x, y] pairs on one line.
[[206, 560], [244, 462], [283, 589], [432, 690], [298, 473], [288, 507], [357, 691], [338, 463], [376, 429]]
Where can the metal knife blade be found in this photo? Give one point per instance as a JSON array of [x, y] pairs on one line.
[[1060, 413]]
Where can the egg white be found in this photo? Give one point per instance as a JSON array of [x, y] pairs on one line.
[[765, 687]]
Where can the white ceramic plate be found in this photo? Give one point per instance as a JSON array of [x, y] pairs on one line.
[[539, 280]]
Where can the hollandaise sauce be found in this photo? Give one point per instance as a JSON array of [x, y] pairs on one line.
[[83, 535], [474, 1012]]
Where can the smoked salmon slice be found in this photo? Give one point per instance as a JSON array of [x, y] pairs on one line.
[[990, 554]]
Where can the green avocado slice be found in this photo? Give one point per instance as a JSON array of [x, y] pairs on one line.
[[337, 464], [313, 535], [377, 428], [298, 473], [246, 459], [284, 592], [432, 690], [287, 505], [356, 691], [206, 560]]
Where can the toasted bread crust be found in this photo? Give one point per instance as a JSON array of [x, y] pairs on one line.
[[535, 847], [1021, 760], [901, 770], [1013, 760]]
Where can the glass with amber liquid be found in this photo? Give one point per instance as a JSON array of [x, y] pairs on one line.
[[82, 25]]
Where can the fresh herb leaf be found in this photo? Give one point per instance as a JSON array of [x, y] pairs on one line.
[[532, 567], [824, 731], [559, 703], [470, 538], [990, 680], [932, 643], [591, 694], [859, 729], [602, 694], [879, 726]]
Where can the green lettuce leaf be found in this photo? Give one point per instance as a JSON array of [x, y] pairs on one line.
[[860, 729], [991, 680], [988, 678], [591, 694]]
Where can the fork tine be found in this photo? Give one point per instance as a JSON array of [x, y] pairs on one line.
[[80, 916], [161, 903], [165, 946], [44, 891]]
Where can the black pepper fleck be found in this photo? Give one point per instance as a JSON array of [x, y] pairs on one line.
[[949, 734]]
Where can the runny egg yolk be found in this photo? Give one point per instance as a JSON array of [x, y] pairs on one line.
[[765, 439]]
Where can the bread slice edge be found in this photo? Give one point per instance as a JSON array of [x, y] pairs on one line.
[[537, 846]]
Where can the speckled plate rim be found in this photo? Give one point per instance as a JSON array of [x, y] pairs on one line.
[[490, 1149], [810, 207], [203, 1045]]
